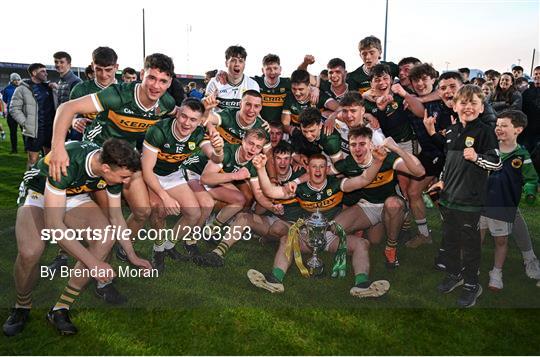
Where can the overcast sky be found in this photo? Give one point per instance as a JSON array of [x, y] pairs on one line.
[[477, 34]]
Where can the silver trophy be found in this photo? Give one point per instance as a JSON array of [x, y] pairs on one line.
[[314, 235]]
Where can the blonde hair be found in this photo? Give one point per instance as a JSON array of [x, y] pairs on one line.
[[467, 93]]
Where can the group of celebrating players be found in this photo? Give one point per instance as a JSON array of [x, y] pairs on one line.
[[250, 159]]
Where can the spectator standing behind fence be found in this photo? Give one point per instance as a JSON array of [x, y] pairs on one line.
[[68, 79], [506, 96], [7, 93], [32, 106], [193, 91]]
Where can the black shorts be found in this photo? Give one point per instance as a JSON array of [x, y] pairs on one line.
[[432, 165], [43, 140]]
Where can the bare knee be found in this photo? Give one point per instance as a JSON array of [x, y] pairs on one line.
[[141, 213], [30, 255], [394, 205]]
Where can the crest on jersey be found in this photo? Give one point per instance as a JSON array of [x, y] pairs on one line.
[[167, 146], [394, 105], [318, 196], [469, 141], [191, 145], [329, 192], [101, 184], [517, 163], [282, 90]]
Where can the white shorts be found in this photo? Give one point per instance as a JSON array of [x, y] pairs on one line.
[[37, 199], [496, 228], [373, 211], [171, 180]]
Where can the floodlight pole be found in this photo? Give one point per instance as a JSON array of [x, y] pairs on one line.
[[385, 31], [143, 37]]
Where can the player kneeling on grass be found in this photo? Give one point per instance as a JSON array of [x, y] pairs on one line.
[[61, 205], [275, 223], [166, 146], [504, 189], [324, 193], [236, 166]]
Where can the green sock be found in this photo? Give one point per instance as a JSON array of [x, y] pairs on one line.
[[360, 278], [278, 274]]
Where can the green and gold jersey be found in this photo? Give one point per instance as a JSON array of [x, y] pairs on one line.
[[79, 179], [233, 132], [293, 107], [330, 145], [394, 120], [328, 200], [382, 187], [122, 115], [85, 88], [361, 81], [231, 161], [291, 207], [326, 87], [194, 163], [273, 98], [171, 149]]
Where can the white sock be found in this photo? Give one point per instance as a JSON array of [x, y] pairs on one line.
[[421, 224], [497, 270], [528, 256], [159, 248], [168, 245]]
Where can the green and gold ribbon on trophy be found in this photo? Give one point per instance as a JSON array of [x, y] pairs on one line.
[[313, 231]]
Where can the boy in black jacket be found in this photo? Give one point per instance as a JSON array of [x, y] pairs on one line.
[[471, 151]]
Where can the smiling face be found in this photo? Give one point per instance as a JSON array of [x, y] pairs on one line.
[[154, 83], [235, 67], [506, 131], [282, 163], [311, 132], [337, 76], [423, 86], [187, 121], [300, 91], [276, 134], [353, 115], [61, 65], [404, 70], [381, 83], [360, 148], [40, 74], [317, 171], [250, 108], [271, 72], [251, 146], [468, 110], [448, 89], [506, 81]]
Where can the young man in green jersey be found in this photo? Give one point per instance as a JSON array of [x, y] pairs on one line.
[[167, 144], [236, 166], [50, 205], [104, 63], [370, 50], [300, 98], [125, 111], [320, 193], [377, 206]]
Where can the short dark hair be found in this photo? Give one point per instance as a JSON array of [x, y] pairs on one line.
[[521, 80], [317, 157], [419, 70], [104, 56], [252, 93], [537, 68], [517, 117], [88, 70], [361, 131], [270, 58], [518, 68], [282, 147], [129, 70], [276, 124], [464, 70], [380, 70], [451, 75], [161, 62], [118, 153], [492, 72], [211, 73], [194, 104], [300, 76], [336, 62], [34, 66], [259, 133], [351, 98], [310, 116], [235, 51], [61, 54], [407, 60]]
